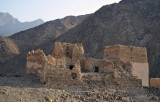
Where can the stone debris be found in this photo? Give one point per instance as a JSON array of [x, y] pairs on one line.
[[35, 92], [68, 67], [155, 98]]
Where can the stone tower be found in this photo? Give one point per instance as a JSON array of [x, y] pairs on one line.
[[137, 56]]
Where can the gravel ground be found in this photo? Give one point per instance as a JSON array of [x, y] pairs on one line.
[[29, 89]]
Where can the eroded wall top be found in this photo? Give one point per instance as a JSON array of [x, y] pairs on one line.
[[75, 51]]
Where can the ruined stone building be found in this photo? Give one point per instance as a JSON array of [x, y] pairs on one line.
[[125, 66]]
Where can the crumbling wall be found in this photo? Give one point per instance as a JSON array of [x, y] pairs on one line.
[[70, 63], [58, 51], [69, 50], [137, 56], [78, 52], [57, 62], [97, 65], [63, 68], [90, 64], [63, 77], [53, 71], [98, 78], [155, 82], [36, 61], [129, 82]]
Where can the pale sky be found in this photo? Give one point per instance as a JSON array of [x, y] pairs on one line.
[[29, 10]]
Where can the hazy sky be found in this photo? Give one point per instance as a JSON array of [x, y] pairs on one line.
[[28, 10]]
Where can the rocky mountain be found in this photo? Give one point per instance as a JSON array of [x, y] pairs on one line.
[[10, 25], [35, 38], [7, 47], [46, 32], [8, 51], [130, 22]]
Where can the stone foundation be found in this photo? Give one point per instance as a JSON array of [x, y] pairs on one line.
[[155, 82]]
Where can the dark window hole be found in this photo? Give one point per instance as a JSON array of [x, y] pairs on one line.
[[96, 69], [71, 67]]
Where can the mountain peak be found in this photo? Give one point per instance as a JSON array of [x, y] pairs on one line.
[[10, 25], [6, 19], [38, 21]]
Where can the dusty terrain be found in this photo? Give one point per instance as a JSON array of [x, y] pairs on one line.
[[29, 89]]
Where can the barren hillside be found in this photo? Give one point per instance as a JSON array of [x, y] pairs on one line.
[[35, 38], [130, 22]]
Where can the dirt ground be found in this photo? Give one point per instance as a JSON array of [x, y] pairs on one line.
[[29, 89]]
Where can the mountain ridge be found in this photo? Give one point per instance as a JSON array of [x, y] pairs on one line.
[[10, 25], [36, 38], [129, 22]]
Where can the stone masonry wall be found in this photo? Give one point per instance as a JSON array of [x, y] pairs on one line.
[[155, 82], [69, 50], [53, 71], [97, 65], [137, 56], [126, 53], [67, 66], [63, 77], [35, 63]]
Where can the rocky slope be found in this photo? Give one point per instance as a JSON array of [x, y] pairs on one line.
[[46, 32], [7, 49], [10, 25], [130, 22], [35, 38]]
